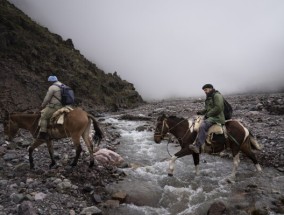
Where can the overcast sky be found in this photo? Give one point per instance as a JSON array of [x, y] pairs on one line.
[[171, 48]]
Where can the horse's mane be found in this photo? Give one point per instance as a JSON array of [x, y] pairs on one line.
[[176, 118]]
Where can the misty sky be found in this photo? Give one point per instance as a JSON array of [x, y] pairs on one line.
[[171, 48]]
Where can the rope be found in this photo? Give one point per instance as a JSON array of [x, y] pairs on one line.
[[168, 147], [181, 139]]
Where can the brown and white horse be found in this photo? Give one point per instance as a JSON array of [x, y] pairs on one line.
[[76, 124], [236, 137]]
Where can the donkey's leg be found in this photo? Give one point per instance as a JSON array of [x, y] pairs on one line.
[[90, 147], [78, 149], [34, 145], [51, 153]]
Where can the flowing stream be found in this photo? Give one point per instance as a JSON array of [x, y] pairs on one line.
[[151, 191]]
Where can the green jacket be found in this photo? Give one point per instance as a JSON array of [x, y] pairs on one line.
[[214, 108]]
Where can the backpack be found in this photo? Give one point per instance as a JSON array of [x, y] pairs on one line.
[[228, 110], [67, 95]]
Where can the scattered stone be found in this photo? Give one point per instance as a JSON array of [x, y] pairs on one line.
[[97, 198], [39, 196], [111, 203], [120, 196], [217, 208], [91, 211], [26, 208], [17, 197]]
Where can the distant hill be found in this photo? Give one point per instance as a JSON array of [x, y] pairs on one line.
[[29, 53]]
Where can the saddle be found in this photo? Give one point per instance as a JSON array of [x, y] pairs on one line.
[[215, 129], [58, 116]]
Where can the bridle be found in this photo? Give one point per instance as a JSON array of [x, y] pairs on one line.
[[160, 134], [180, 139], [165, 124]]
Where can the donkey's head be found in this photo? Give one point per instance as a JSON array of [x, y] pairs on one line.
[[10, 127]]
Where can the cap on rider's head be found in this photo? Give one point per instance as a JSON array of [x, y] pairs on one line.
[[207, 86], [52, 78]]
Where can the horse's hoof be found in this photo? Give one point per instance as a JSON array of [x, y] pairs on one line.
[[91, 164], [73, 164], [52, 165], [231, 179], [170, 174]]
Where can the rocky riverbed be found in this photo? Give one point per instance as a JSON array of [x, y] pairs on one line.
[[81, 190]]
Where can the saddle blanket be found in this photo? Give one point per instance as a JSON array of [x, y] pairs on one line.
[[58, 116], [214, 129]]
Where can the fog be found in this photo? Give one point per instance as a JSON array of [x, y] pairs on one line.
[[171, 48]]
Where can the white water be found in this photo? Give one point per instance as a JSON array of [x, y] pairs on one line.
[[153, 192]]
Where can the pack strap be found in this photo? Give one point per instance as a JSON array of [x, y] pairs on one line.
[[60, 89]]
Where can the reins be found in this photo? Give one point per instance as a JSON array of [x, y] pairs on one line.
[[169, 129]]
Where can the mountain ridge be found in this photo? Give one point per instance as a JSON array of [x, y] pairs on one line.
[[29, 53]]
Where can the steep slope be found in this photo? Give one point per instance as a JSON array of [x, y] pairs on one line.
[[29, 53]]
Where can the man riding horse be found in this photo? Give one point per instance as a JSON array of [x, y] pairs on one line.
[[213, 114], [50, 104]]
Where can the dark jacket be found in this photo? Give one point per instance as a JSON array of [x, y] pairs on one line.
[[214, 108]]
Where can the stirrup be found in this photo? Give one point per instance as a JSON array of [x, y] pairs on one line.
[[194, 148]]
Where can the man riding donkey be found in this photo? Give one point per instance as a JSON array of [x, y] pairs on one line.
[[50, 104], [213, 114]]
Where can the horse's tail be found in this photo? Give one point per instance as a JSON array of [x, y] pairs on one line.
[[98, 133], [254, 143]]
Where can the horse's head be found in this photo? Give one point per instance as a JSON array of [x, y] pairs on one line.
[[162, 128], [10, 127]]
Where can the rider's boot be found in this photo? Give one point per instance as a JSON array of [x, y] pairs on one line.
[[194, 148]]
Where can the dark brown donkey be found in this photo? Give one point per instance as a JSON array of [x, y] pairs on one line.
[[76, 124], [238, 138]]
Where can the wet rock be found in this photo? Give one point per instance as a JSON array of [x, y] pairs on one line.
[[120, 196], [141, 128], [91, 210], [109, 157], [134, 117], [111, 204], [217, 208]]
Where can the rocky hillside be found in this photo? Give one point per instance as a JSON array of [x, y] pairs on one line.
[[29, 53]]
